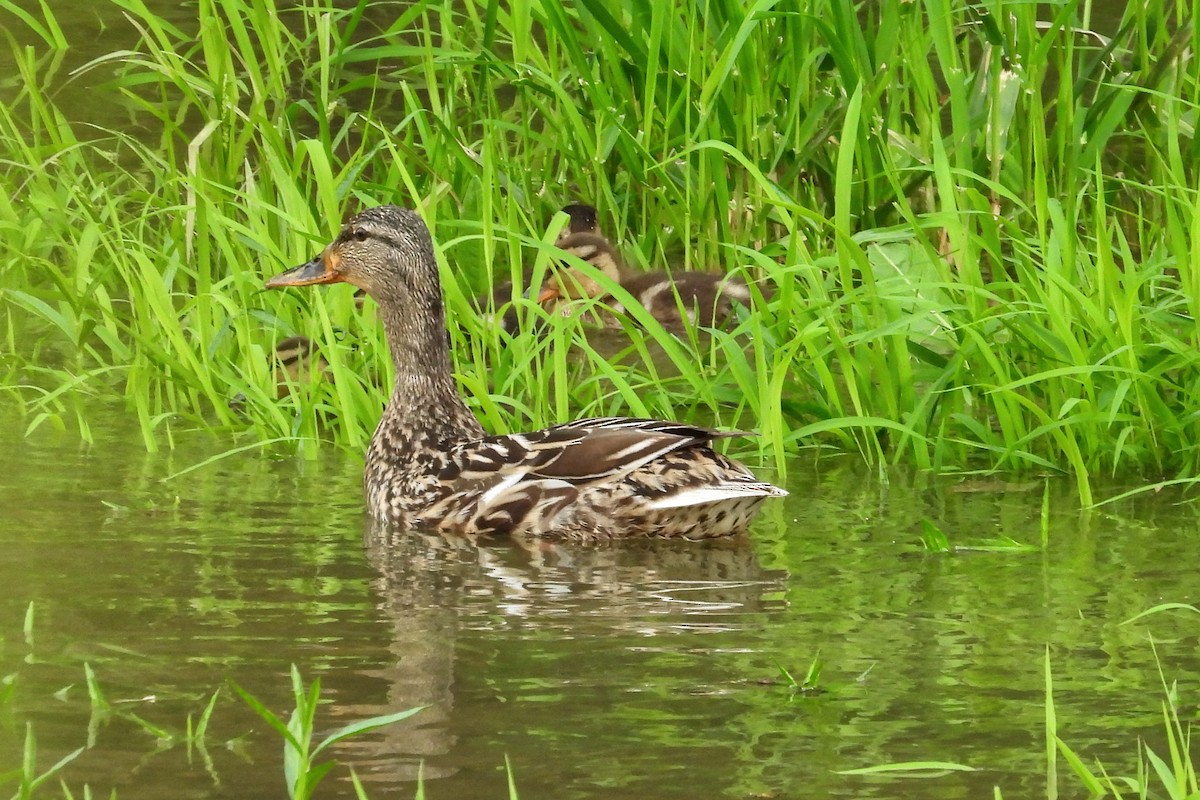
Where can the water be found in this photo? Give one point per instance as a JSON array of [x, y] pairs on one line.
[[648, 669]]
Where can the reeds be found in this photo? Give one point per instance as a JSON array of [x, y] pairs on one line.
[[975, 227]]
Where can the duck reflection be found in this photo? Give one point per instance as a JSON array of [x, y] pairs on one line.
[[481, 622]]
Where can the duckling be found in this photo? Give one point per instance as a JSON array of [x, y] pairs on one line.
[[432, 467], [702, 298], [571, 283], [296, 360], [489, 303], [582, 221]]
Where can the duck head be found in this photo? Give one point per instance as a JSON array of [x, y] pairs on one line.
[[582, 219], [571, 282], [385, 251]]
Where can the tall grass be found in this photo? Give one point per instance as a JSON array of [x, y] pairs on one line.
[[975, 227]]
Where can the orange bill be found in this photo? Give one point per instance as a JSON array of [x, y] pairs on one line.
[[319, 270]]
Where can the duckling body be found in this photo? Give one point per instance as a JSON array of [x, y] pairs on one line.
[[697, 298], [700, 298], [296, 360], [431, 466]]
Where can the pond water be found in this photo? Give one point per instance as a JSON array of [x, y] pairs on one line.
[[640, 670]]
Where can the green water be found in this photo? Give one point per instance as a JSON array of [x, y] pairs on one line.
[[643, 670]]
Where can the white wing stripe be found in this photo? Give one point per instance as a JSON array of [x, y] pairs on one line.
[[712, 494], [491, 494]]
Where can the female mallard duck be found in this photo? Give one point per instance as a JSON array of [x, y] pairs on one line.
[[431, 466], [702, 298]]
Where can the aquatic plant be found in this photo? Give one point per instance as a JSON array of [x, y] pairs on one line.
[[300, 771], [1174, 776], [302, 774], [977, 227]]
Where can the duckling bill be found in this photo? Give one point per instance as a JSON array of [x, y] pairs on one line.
[[431, 466]]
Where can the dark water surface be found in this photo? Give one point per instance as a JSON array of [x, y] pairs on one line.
[[640, 670]]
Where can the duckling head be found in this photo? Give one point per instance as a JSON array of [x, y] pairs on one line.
[[582, 220], [571, 282]]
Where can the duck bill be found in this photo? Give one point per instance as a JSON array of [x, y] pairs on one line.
[[548, 293], [319, 270]]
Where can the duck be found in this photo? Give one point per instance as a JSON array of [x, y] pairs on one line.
[[582, 219], [501, 297], [674, 299], [431, 467], [296, 360]]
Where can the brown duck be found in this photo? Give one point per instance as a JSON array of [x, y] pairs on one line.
[[297, 360], [431, 466]]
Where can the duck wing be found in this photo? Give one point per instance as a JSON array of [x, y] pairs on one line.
[[501, 483], [576, 452]]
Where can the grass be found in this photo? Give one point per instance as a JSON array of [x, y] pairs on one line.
[[1172, 777], [977, 226], [301, 773]]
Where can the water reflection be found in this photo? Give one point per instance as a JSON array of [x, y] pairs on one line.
[[646, 668], [439, 592]]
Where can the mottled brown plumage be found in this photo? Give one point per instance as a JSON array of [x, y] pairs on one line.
[[431, 466]]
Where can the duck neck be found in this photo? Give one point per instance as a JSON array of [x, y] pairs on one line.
[[425, 410]]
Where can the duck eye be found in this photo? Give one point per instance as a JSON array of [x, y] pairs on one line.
[[359, 235]]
